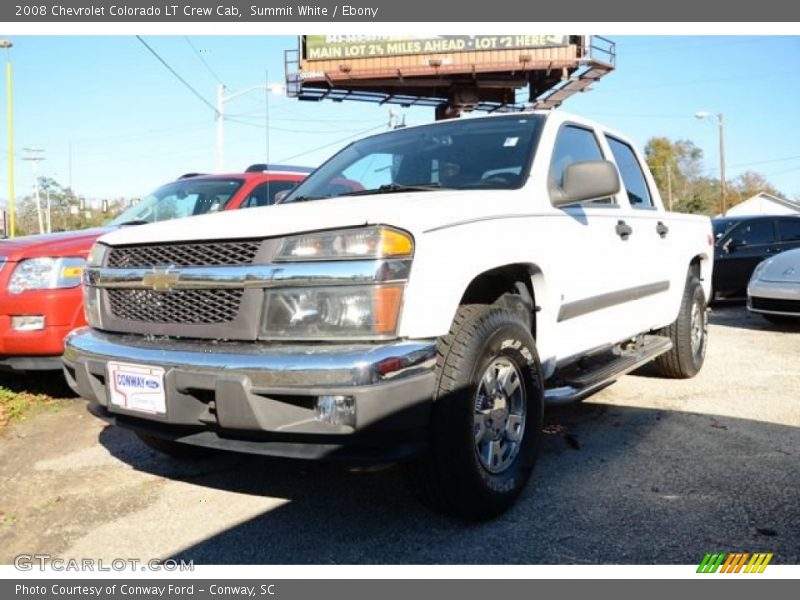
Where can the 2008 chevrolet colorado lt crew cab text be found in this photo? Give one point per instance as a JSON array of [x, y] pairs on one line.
[[488, 266]]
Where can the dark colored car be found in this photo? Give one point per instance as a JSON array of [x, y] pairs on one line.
[[743, 242]]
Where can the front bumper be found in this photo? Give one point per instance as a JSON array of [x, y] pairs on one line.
[[40, 349], [774, 297], [260, 398]]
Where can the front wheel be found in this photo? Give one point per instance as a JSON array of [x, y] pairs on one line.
[[689, 335], [487, 416]]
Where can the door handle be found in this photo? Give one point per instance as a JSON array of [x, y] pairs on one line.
[[661, 229], [623, 229]]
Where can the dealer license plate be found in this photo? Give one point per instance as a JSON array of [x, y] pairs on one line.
[[137, 387]]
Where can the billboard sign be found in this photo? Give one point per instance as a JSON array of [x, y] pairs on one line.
[[328, 47]]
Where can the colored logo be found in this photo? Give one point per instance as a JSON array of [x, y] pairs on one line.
[[735, 562]]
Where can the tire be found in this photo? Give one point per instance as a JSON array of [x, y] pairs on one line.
[[689, 335], [483, 446], [175, 449]]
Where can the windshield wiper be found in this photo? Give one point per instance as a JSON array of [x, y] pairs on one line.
[[392, 188], [304, 199], [134, 222]]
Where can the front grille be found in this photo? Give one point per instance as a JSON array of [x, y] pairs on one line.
[[193, 254], [177, 306], [790, 306]]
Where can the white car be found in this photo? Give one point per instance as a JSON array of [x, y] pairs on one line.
[[774, 288]]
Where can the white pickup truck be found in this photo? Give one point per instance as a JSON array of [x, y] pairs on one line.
[[488, 266]]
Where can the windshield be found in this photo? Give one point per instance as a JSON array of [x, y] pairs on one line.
[[461, 154], [182, 198]]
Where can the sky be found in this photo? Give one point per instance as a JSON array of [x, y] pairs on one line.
[[113, 121]]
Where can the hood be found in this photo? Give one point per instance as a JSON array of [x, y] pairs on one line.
[[415, 212], [783, 268], [67, 243]]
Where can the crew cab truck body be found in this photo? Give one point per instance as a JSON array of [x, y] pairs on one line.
[[40, 275], [487, 266]]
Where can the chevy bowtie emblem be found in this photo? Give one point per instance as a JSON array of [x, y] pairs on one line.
[[789, 271], [161, 280]]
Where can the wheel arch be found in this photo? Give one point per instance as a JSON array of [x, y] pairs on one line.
[[522, 279], [701, 265]]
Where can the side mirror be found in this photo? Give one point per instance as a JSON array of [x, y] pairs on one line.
[[279, 196], [587, 180]]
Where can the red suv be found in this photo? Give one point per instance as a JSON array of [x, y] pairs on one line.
[[40, 275]]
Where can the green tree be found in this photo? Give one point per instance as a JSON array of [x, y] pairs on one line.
[[747, 185], [677, 167]]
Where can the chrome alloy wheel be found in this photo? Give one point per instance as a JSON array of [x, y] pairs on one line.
[[499, 418], [698, 327]]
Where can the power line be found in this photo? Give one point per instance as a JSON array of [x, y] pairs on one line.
[[284, 129], [175, 73], [339, 141], [142, 134], [697, 82], [202, 60], [764, 162]]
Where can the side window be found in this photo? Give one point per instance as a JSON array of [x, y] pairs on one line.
[[631, 172], [574, 144], [789, 230], [754, 233], [264, 193]]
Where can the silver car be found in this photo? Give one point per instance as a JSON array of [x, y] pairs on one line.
[[774, 288]]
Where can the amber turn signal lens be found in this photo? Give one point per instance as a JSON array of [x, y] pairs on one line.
[[386, 308]]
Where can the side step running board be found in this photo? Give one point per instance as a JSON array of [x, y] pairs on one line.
[[575, 383]]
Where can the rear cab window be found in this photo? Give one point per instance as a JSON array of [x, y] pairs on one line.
[[630, 170]]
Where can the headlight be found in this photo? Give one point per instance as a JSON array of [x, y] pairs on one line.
[[759, 269], [97, 255], [360, 312], [91, 306], [46, 274], [363, 242]]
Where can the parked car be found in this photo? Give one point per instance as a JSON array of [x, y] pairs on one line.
[[774, 288], [742, 242], [40, 275], [488, 265]]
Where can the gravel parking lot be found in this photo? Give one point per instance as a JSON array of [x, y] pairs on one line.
[[646, 471]]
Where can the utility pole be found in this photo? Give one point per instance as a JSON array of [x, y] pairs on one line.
[[10, 124], [274, 88], [220, 116], [49, 224], [35, 156], [723, 204], [669, 186], [724, 190], [69, 159]]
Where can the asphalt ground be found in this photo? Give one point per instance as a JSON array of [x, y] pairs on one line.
[[647, 471]]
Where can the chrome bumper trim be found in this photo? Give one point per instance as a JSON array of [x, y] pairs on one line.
[[267, 365], [251, 276]]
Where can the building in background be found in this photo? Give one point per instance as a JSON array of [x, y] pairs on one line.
[[764, 204]]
